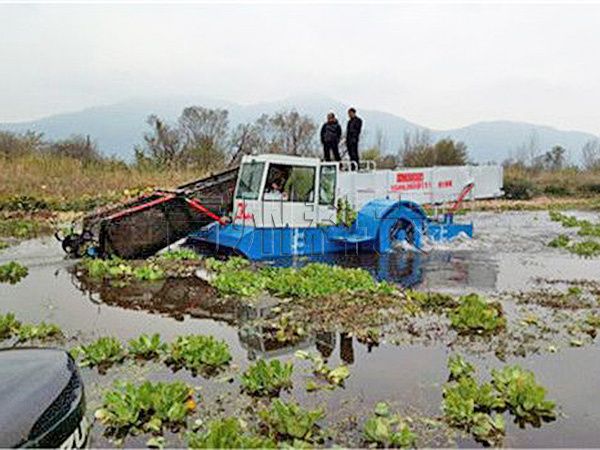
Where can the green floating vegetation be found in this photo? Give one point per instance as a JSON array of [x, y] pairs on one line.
[[387, 430], [474, 315], [333, 377], [12, 272], [267, 378], [477, 408], [148, 407], [116, 268], [102, 353], [432, 301], [227, 433], [9, 325], [288, 421], [4, 245], [146, 347], [181, 254], [199, 353], [20, 228], [587, 248], [523, 396], [346, 215], [235, 278], [39, 332]]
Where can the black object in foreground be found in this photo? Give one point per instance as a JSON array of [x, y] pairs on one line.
[[42, 402]]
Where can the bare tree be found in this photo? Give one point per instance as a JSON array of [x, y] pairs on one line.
[[205, 136], [163, 145], [15, 144], [76, 147], [591, 155], [249, 138], [293, 133]]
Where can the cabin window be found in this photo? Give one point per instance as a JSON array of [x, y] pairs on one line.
[[288, 183], [250, 178], [327, 185]]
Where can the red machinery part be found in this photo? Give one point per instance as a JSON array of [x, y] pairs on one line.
[[461, 197]]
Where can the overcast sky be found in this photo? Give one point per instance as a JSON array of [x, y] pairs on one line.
[[440, 65]]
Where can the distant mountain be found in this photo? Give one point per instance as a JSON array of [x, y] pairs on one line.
[[117, 128]]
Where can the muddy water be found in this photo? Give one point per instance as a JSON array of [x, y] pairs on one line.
[[508, 253]]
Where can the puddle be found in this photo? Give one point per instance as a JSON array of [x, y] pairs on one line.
[[508, 253]]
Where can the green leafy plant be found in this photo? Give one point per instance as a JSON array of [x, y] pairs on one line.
[[239, 283], [148, 407], [148, 272], [334, 377], [199, 353], [346, 215], [227, 433], [524, 397], [107, 268], [561, 241], [181, 254], [469, 405], [102, 353], [12, 272], [42, 331], [267, 378], [459, 368], [20, 228], [475, 315], [231, 264], [9, 325], [587, 249], [387, 430], [433, 301], [287, 420], [146, 347]]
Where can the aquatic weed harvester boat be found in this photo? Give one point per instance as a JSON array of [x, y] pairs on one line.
[[277, 205]]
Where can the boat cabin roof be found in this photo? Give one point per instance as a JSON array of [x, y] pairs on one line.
[[278, 158]]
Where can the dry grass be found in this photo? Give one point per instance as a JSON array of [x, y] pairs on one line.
[[66, 179]]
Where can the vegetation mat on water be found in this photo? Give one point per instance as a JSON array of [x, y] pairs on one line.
[[235, 278], [12, 272], [477, 407], [199, 353], [147, 407], [267, 378], [227, 433], [288, 421], [588, 248], [387, 430], [26, 332]]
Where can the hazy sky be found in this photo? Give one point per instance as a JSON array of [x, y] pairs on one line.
[[441, 65]]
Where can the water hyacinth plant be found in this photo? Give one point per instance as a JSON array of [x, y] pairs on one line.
[[289, 421], [227, 433], [523, 396], [12, 272], [39, 332], [181, 254], [146, 347], [199, 353], [235, 278], [476, 407], [475, 315], [102, 353], [334, 377], [9, 325], [267, 378], [387, 430], [148, 407]]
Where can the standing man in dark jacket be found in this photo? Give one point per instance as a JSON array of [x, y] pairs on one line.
[[352, 135], [331, 133]]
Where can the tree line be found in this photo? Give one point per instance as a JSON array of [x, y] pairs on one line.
[[203, 138]]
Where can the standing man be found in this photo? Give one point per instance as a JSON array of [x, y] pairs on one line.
[[331, 133], [352, 135]]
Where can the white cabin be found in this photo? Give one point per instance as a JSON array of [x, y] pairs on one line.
[[275, 190]]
